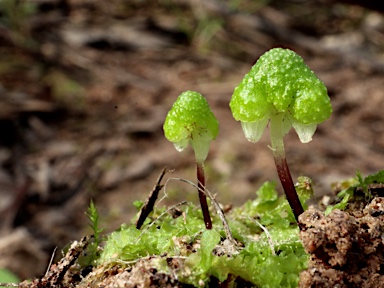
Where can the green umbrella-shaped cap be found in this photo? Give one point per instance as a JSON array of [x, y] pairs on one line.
[[280, 82], [190, 120]]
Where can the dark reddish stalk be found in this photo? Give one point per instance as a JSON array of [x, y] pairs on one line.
[[277, 143], [289, 187], [202, 197]]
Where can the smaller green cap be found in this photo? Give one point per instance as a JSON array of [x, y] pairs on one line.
[[191, 120]]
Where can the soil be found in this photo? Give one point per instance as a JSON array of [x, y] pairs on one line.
[[85, 87], [346, 247]]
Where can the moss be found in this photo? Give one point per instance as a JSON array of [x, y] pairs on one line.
[[269, 253]]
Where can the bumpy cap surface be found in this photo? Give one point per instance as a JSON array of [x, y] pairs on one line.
[[280, 82], [191, 120]]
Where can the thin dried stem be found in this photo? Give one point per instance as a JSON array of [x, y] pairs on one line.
[[51, 261], [161, 215], [219, 211], [270, 241]]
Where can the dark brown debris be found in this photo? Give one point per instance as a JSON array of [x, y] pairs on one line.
[[150, 203]]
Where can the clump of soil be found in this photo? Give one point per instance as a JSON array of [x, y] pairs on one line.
[[346, 248], [142, 274]]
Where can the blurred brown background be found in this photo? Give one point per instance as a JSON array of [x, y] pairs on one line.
[[85, 86]]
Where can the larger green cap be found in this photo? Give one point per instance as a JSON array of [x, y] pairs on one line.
[[280, 82], [191, 120]]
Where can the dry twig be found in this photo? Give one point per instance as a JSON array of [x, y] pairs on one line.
[[148, 206]]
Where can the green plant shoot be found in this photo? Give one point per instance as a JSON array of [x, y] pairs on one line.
[[93, 251], [93, 217], [350, 187], [281, 90], [191, 121]]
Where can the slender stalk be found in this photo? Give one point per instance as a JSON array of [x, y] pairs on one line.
[[289, 187], [202, 197], [282, 165]]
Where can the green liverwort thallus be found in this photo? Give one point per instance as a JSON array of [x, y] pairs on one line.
[[282, 90], [191, 121]]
